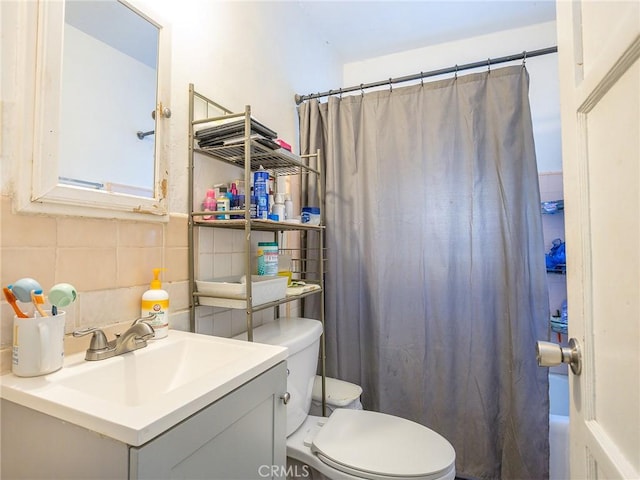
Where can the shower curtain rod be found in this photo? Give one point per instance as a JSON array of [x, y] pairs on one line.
[[419, 76]]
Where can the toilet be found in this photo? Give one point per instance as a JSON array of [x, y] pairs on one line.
[[351, 443], [339, 394]]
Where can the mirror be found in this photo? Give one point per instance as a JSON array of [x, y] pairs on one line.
[[108, 47], [102, 68]]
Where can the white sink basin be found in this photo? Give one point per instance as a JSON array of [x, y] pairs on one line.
[[136, 396]]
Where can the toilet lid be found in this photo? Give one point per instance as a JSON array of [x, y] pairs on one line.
[[375, 445]]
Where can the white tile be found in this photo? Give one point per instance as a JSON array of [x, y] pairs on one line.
[[238, 322], [222, 324], [221, 265], [223, 241], [204, 324], [237, 263], [179, 321], [205, 240], [204, 270]]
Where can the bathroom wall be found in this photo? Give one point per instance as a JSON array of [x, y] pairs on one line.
[[236, 53]]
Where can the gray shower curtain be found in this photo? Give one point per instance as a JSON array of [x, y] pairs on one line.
[[436, 282]]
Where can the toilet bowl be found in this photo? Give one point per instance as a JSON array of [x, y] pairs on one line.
[[350, 444]]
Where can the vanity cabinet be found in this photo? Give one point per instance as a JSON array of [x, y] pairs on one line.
[[240, 436]]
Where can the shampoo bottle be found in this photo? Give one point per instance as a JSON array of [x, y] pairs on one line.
[[209, 204], [156, 301]]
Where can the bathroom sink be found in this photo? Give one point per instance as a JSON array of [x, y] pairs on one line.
[[138, 395]]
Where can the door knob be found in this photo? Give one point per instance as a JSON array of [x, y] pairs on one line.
[[551, 354], [162, 112], [285, 397]]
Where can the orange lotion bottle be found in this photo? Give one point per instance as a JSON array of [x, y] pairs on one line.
[[156, 301]]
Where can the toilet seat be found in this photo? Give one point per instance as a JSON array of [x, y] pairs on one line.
[[377, 446]]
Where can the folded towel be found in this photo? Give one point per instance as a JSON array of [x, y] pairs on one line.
[[299, 288]]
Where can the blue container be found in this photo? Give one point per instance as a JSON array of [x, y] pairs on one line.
[[310, 215], [261, 192]]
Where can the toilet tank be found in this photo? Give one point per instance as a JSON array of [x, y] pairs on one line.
[[301, 336]]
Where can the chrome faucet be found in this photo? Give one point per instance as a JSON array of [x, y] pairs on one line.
[[134, 338]]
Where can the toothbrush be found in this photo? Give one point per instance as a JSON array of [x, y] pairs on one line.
[[37, 300], [11, 298]]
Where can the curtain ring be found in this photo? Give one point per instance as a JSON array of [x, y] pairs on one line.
[[421, 79], [390, 86], [362, 89], [524, 58], [340, 93], [488, 65], [456, 75]]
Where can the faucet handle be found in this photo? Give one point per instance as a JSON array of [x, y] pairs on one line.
[[98, 340], [147, 319]]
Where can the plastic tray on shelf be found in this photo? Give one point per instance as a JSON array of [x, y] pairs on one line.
[[230, 292]]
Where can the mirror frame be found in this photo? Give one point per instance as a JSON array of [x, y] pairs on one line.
[[38, 188]]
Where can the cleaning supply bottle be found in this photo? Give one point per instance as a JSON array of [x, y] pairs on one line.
[[267, 258], [156, 301], [261, 191]]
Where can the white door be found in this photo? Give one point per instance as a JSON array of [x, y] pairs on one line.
[[599, 50]]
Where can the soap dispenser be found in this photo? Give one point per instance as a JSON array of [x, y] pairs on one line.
[[156, 301]]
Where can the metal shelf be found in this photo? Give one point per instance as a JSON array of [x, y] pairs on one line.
[[278, 162], [254, 224], [264, 306], [249, 155]]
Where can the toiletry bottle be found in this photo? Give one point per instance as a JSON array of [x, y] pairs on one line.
[[156, 301], [222, 204], [261, 192], [234, 199], [271, 198], [253, 206], [209, 204], [278, 206], [288, 207]]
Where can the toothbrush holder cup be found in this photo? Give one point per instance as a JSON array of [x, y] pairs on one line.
[[38, 345]]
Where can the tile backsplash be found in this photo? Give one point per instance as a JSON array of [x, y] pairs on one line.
[[109, 262]]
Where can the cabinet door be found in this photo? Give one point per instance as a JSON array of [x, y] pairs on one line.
[[37, 445], [241, 436]]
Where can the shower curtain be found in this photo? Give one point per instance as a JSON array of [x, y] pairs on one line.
[[436, 285]]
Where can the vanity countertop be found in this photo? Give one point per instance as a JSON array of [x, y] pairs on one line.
[[136, 396]]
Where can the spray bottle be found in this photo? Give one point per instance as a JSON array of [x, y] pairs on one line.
[[156, 301]]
